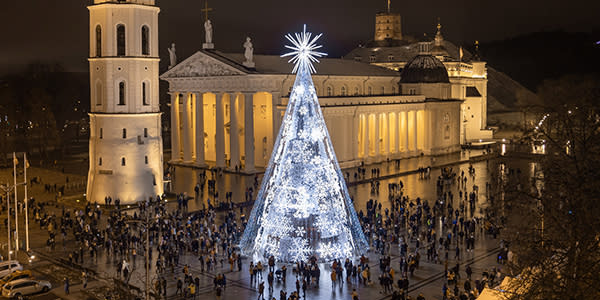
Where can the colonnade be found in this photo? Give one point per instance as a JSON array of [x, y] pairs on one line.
[[389, 133], [200, 132]]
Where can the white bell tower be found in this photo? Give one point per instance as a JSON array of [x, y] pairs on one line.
[[126, 157]]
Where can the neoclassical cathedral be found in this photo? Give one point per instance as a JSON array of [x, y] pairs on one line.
[[396, 97]]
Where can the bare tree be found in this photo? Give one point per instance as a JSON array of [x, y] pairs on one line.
[[552, 220]]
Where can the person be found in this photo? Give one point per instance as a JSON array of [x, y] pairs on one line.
[[354, 294], [192, 288], [66, 281], [84, 279], [218, 292], [261, 290]]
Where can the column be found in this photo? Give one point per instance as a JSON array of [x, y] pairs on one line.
[[187, 129], [200, 159], [355, 139], [249, 132], [276, 100], [397, 132], [416, 130], [377, 135], [220, 130], [405, 135], [366, 137], [234, 138], [175, 149], [387, 134]]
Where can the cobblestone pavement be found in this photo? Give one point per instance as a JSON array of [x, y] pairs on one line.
[[428, 279]]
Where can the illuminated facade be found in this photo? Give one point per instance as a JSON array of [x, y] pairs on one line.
[[125, 137], [467, 73]]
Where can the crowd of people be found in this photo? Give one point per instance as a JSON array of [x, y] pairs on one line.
[[403, 232]]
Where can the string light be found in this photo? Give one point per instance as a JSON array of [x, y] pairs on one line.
[[303, 208]]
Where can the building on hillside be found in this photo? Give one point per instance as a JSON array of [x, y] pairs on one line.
[[125, 157]]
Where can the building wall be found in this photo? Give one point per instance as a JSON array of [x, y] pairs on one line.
[[136, 180]]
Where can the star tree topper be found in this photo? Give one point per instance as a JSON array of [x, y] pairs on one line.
[[303, 50]]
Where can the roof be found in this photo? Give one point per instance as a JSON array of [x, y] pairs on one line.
[[274, 64], [402, 52], [424, 69]]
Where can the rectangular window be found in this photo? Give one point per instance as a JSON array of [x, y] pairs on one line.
[[100, 161], [122, 93], [124, 133], [145, 94], [101, 133], [146, 159], [145, 132]]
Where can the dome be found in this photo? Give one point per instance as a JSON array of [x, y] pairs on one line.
[[424, 69]]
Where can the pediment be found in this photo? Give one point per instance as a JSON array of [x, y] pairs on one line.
[[201, 65]]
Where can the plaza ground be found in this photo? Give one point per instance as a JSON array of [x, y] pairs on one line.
[[428, 279]]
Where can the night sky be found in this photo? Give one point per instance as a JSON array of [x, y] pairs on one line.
[[57, 30]]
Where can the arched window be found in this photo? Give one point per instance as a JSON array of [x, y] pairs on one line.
[[98, 93], [329, 91], [120, 40], [145, 40], [122, 93], [100, 161], [145, 94], [122, 161], [98, 41], [343, 92], [124, 133]]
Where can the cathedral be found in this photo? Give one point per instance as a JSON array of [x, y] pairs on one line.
[[394, 98]]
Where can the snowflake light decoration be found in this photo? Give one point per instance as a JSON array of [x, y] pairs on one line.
[[303, 50], [303, 208]]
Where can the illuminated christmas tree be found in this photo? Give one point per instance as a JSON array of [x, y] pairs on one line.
[[303, 208]]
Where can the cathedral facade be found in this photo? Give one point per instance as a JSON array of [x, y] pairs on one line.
[[227, 114]]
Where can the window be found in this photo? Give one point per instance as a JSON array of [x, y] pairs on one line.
[[98, 93], [329, 91], [98, 41], [124, 133], [145, 94], [120, 40], [100, 161], [122, 161], [145, 132], [100, 132], [355, 91], [122, 93], [372, 58], [383, 90], [343, 92], [145, 40], [391, 57], [146, 159], [370, 91]]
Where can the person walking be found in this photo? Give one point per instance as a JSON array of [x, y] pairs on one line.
[[66, 281], [261, 290]]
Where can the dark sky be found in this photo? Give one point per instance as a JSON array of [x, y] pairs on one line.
[[57, 30]]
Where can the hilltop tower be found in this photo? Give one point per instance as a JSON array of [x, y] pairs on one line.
[[126, 160]]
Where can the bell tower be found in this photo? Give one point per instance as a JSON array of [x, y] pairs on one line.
[[126, 160], [388, 25]]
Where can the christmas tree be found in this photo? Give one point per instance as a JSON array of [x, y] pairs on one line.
[[303, 208]]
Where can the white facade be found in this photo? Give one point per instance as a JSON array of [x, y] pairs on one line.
[[368, 119], [125, 129]]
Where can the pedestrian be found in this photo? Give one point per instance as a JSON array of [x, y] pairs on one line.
[[261, 290], [84, 279], [66, 282]]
